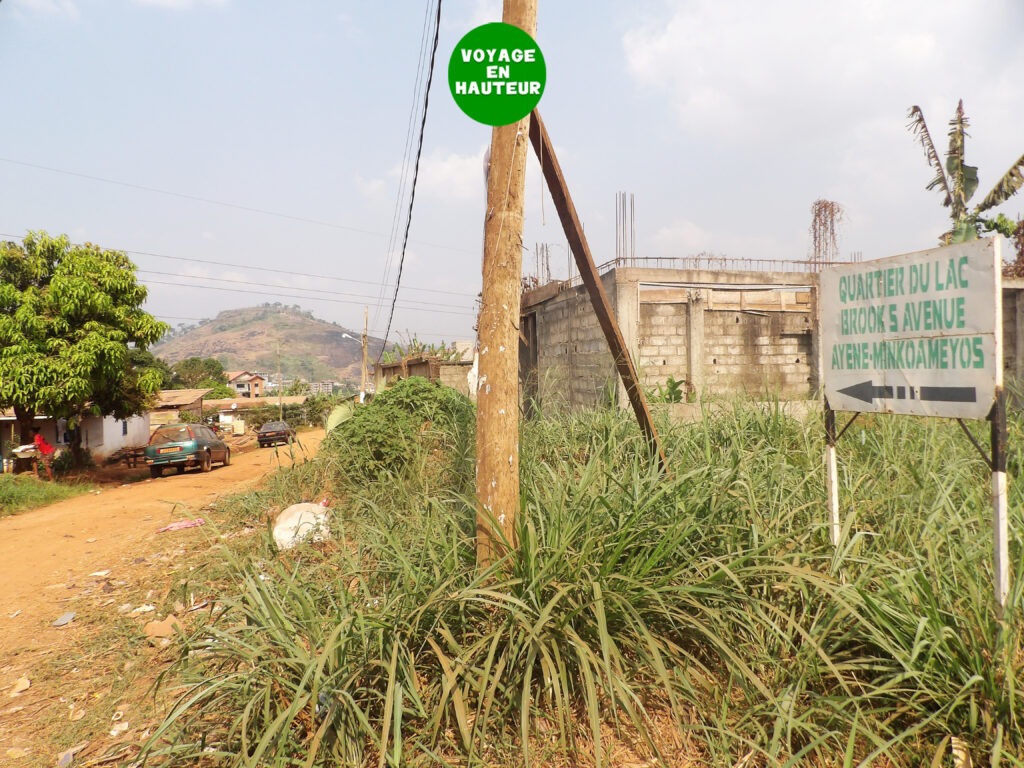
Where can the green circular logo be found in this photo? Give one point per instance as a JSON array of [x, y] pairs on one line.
[[497, 74]]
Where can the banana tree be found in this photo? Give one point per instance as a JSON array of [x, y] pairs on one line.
[[958, 182]]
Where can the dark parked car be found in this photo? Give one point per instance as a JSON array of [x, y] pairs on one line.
[[185, 445], [274, 432]]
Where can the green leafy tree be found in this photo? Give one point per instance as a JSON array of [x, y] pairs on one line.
[[192, 370], [218, 389], [70, 316], [143, 358], [416, 348], [958, 182], [297, 387]]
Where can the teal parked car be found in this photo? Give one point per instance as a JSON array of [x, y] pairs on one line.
[[185, 445]]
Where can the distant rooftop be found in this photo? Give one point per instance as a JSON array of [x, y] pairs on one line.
[[175, 398]]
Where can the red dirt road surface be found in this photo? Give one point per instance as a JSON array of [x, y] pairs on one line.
[[96, 555]]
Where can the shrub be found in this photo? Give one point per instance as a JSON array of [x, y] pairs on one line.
[[414, 423]]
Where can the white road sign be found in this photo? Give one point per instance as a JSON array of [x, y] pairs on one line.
[[917, 334]]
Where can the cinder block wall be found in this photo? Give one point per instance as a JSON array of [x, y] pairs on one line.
[[454, 375], [574, 366], [1013, 329], [765, 354], [662, 344], [723, 333]]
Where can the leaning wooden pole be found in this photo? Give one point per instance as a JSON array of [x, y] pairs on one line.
[[591, 280], [497, 399]]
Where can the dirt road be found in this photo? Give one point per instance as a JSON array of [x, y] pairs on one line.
[[84, 686], [47, 552]]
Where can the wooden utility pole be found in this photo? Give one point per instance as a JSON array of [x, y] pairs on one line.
[[280, 385], [497, 399], [362, 380]]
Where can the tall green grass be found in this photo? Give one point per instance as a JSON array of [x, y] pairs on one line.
[[700, 618], [20, 493]]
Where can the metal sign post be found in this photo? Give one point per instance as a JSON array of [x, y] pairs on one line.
[[1000, 524]]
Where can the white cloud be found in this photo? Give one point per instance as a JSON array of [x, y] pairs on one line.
[[778, 104], [682, 238], [452, 176], [735, 71], [374, 190]]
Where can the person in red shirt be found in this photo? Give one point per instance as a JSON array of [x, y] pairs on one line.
[[44, 453]]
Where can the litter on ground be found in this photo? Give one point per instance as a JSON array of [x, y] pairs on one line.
[[181, 525]]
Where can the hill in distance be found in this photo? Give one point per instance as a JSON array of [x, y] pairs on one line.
[[269, 338]]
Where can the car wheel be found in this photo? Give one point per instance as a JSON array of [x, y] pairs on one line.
[[227, 456], [206, 464], [156, 471]]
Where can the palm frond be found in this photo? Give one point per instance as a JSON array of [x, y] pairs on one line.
[[919, 128], [1005, 188], [962, 177]]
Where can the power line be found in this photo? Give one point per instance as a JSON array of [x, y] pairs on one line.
[[415, 175], [371, 331], [211, 201], [290, 272], [308, 298], [186, 196], [406, 156], [271, 285]]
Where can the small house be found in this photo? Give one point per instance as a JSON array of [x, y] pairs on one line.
[[246, 384], [173, 403]]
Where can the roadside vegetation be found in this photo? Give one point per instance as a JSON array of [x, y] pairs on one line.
[[697, 619], [20, 493]]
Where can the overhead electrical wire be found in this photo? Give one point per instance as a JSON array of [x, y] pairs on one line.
[[415, 175], [262, 211], [290, 272], [212, 201], [371, 331], [234, 281], [197, 198], [292, 296], [403, 175]]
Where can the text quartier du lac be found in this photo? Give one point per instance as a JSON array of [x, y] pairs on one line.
[[897, 312], [498, 72]]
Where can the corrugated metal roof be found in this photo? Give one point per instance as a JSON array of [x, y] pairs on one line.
[[175, 398]]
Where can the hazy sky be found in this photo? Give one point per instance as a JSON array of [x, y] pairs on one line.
[[211, 137]]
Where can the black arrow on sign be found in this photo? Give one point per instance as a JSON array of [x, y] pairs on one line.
[[950, 394], [866, 391]]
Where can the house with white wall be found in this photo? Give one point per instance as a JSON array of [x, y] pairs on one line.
[[101, 435]]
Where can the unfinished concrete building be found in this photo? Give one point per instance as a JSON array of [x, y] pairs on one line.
[[719, 327]]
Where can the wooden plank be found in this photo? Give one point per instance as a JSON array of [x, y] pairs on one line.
[[591, 280]]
